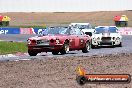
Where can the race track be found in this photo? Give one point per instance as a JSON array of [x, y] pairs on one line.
[[59, 71], [127, 48]]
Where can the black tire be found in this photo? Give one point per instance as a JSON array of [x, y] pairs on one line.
[[65, 48], [0, 23], [4, 23], [92, 46], [7, 23], [120, 45], [113, 46], [81, 80], [31, 53], [55, 53], [86, 48]]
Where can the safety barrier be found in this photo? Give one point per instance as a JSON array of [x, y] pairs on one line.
[[10, 30], [125, 30]]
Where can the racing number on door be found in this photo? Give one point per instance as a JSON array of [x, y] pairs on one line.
[[74, 41], [77, 40]]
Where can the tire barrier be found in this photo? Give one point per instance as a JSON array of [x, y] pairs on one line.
[[11, 30], [4, 20]]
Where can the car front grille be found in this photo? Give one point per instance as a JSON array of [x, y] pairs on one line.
[[106, 38], [42, 41]]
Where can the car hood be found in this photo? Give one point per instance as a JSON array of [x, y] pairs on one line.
[[107, 35], [48, 37], [88, 30]]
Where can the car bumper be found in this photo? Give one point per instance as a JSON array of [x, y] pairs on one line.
[[100, 43], [45, 48]]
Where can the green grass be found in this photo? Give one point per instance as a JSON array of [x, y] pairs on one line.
[[12, 47]]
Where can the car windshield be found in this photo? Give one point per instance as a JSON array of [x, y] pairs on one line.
[[81, 26], [60, 30], [113, 29], [106, 30]]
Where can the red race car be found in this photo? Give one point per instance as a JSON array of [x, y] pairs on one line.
[[59, 39]]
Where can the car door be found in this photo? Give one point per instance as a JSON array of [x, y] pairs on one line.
[[74, 40], [77, 38], [82, 39]]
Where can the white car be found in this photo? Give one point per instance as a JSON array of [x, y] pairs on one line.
[[89, 32], [85, 27], [106, 35]]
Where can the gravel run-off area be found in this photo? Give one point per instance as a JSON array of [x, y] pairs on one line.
[[60, 72]]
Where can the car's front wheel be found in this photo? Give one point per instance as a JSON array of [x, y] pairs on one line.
[[32, 53], [65, 48], [86, 48], [120, 45]]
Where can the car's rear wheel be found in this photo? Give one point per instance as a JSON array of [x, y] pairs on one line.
[[65, 48], [32, 53], [55, 53], [86, 48]]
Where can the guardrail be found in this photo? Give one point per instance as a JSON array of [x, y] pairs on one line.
[[10, 30], [125, 30]]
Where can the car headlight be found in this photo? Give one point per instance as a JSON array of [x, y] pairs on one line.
[[98, 38], [94, 38], [52, 41], [57, 41], [28, 41], [117, 38], [31, 41]]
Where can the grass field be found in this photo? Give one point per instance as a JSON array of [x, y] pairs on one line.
[[12, 47], [65, 18]]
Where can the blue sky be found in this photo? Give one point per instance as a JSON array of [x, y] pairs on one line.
[[64, 5]]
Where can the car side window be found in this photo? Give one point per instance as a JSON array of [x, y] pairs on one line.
[[90, 26]]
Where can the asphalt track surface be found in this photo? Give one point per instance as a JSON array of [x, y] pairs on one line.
[[127, 48]]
